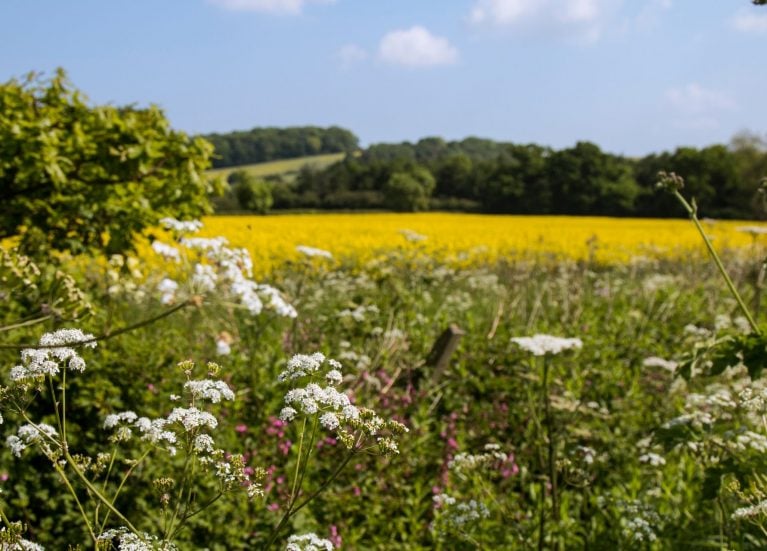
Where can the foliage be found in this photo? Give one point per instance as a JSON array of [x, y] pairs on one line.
[[497, 177], [252, 194], [260, 145], [76, 177]]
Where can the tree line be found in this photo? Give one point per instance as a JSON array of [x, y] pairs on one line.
[[478, 175], [260, 145]]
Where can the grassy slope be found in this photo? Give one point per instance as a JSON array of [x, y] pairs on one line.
[[283, 166]]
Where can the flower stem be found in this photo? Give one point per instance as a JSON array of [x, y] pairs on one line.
[[692, 213]]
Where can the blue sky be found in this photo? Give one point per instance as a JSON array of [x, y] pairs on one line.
[[633, 76]]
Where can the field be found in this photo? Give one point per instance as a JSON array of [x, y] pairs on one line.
[[286, 167], [466, 240], [637, 423]]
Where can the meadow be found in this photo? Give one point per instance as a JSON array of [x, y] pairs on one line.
[[285, 168], [603, 390]]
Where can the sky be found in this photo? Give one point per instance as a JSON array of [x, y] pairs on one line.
[[633, 76]]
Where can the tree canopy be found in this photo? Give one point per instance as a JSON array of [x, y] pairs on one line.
[[78, 177]]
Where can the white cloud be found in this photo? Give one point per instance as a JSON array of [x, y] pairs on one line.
[[585, 19], [279, 7], [351, 54], [416, 47], [503, 12], [748, 21], [694, 99]]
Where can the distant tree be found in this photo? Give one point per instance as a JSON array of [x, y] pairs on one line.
[[76, 177], [409, 191], [267, 144], [252, 193], [584, 180]]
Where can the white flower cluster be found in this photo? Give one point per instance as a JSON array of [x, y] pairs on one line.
[[335, 410], [456, 514], [29, 434], [303, 365], [540, 345], [192, 418], [308, 542], [208, 389], [638, 521], [745, 513], [359, 313], [39, 362], [313, 252], [179, 226], [223, 265], [655, 361], [413, 237], [18, 544], [314, 398], [129, 541], [168, 288], [753, 230], [465, 462], [153, 431], [652, 459], [168, 252]]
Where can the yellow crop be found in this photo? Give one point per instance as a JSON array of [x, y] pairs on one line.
[[465, 239]]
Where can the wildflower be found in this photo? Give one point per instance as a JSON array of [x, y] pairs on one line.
[[185, 226], [129, 541], [204, 277], [750, 512], [652, 459], [113, 419], [39, 362], [168, 252], [313, 252], [654, 361], [308, 542], [540, 345], [223, 344], [208, 389], [29, 434], [192, 418], [168, 288]]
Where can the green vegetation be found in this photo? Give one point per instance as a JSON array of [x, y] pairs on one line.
[[642, 429], [285, 168], [493, 177], [268, 144], [76, 177]]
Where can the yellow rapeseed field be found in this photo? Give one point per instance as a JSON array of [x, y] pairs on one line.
[[465, 239]]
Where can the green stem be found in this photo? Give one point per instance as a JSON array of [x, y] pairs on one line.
[[122, 483], [98, 494], [106, 336], [64, 478], [691, 211], [550, 436], [26, 323]]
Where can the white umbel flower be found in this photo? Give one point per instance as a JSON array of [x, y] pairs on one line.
[[540, 345]]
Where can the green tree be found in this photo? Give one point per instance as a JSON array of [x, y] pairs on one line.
[[77, 177], [409, 191], [252, 193]]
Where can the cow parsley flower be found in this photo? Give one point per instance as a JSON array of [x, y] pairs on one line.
[[208, 389], [39, 362], [540, 345], [168, 288], [313, 252], [29, 434], [181, 226], [130, 541], [168, 252], [308, 542], [192, 418], [654, 361]]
